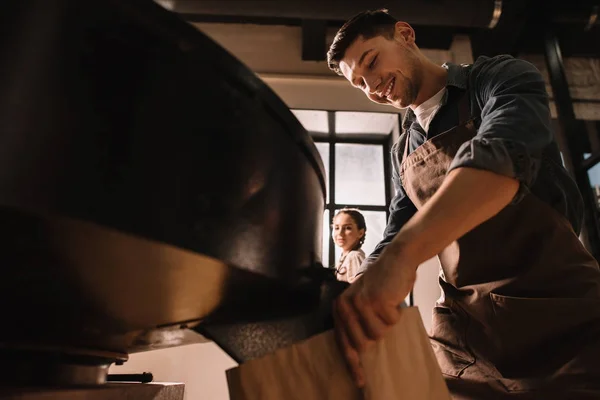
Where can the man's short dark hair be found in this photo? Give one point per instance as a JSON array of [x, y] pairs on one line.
[[367, 25]]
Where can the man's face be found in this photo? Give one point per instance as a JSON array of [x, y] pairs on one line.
[[385, 69]]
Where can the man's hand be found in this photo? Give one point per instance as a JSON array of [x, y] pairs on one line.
[[370, 306]]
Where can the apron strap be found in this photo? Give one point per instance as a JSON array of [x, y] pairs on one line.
[[405, 146], [464, 116]]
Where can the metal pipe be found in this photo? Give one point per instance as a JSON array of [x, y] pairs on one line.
[[584, 15], [569, 131], [145, 377], [450, 13], [496, 14], [593, 19], [455, 13]]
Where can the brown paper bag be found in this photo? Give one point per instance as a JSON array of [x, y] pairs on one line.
[[401, 366]]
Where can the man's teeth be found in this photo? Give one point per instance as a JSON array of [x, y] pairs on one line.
[[390, 87]]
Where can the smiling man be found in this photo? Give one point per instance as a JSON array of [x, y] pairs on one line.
[[479, 182]]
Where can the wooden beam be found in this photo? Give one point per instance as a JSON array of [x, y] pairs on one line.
[[583, 75], [314, 40], [461, 50]]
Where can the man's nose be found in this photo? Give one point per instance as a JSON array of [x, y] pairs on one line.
[[373, 85]]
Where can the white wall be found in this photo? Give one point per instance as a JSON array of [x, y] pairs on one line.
[[427, 290], [274, 53]]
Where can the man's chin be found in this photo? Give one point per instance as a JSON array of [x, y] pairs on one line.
[[397, 104]]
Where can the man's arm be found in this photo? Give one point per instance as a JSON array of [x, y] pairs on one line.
[[515, 121], [515, 128], [449, 214]]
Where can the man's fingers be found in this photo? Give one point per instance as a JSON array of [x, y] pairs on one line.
[[358, 322], [353, 360], [350, 354], [373, 326], [354, 329], [389, 314]]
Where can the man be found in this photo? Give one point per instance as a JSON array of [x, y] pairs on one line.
[[479, 182]]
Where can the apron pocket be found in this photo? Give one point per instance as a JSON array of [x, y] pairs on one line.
[[448, 341], [537, 335]]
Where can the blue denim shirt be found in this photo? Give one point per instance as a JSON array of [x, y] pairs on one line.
[[513, 137]]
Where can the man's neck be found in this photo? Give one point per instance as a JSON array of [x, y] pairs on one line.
[[434, 80]]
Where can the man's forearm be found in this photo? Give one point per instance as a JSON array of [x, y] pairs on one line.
[[467, 198], [401, 210]]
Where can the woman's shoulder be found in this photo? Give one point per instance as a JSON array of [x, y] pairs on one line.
[[356, 254], [354, 260]]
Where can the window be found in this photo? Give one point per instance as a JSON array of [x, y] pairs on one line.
[[364, 122], [359, 174], [354, 147], [324, 152], [312, 120], [326, 238], [594, 178]]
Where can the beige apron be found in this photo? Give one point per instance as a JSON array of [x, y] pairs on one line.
[[519, 315]]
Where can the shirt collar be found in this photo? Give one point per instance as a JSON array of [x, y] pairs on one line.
[[457, 76]]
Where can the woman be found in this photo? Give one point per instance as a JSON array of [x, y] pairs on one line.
[[349, 232]]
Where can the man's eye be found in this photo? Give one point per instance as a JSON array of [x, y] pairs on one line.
[[372, 63]]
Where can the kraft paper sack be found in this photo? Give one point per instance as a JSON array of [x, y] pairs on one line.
[[401, 366]]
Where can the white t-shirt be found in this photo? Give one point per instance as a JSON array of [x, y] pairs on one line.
[[427, 110]]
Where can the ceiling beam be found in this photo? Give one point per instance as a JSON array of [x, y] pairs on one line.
[[504, 37], [314, 37]]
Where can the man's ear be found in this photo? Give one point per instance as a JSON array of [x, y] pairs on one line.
[[404, 33]]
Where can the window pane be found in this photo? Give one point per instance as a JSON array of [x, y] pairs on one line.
[[326, 238], [313, 120], [594, 176], [359, 174], [363, 122], [375, 221], [324, 152]]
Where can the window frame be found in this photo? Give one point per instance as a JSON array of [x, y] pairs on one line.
[[332, 138]]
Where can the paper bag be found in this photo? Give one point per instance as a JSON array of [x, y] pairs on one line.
[[401, 366]]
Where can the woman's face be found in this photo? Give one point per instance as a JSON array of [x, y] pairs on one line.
[[345, 232]]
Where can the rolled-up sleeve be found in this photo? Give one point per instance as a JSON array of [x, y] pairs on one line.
[[515, 121], [401, 210]]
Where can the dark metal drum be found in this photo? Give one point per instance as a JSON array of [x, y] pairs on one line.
[[148, 182]]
